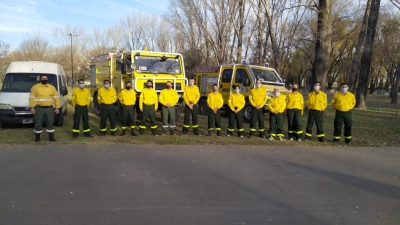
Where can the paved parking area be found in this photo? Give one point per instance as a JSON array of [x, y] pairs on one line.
[[155, 184]]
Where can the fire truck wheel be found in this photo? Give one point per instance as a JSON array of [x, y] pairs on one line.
[[96, 105], [247, 113], [203, 108]]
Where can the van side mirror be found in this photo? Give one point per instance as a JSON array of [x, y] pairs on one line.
[[246, 82], [64, 90]]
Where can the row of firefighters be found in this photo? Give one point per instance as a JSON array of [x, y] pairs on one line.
[[291, 105]]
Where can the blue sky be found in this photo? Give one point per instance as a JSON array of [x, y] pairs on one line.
[[21, 18]]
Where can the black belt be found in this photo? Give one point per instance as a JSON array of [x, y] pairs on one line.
[[127, 105], [316, 110], [82, 105], [45, 107], [343, 111]]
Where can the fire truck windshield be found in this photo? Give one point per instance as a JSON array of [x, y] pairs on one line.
[[267, 76], [148, 64]]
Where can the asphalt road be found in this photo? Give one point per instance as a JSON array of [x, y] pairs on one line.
[[242, 185]]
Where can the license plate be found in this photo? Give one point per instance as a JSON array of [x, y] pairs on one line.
[[27, 121]]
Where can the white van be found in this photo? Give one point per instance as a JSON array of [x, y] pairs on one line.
[[18, 81]]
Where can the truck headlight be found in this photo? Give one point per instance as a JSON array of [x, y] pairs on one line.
[[5, 106]]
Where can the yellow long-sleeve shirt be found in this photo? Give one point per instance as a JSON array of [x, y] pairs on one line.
[[148, 97], [295, 100], [44, 95], [81, 97], [258, 97], [317, 101], [236, 100], [191, 95], [215, 100], [106, 96], [277, 104], [127, 97], [343, 102], [169, 96]]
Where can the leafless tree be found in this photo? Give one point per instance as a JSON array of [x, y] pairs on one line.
[[35, 47]]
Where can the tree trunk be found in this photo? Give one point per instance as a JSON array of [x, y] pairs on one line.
[[240, 31], [366, 59], [323, 43], [356, 59], [395, 89], [372, 87], [271, 33]]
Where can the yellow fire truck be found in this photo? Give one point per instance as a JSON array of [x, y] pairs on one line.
[[243, 75], [137, 67]]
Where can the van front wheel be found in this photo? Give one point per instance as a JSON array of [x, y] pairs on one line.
[[60, 121]]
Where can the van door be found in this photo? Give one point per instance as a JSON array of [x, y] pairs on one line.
[[116, 75], [225, 82], [61, 84]]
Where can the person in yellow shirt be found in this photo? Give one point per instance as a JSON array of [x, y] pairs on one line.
[[106, 97], [80, 101], [127, 99], [294, 111], [343, 102], [148, 105], [168, 99], [191, 96], [44, 102], [317, 102], [257, 98], [276, 107], [214, 103], [236, 104]]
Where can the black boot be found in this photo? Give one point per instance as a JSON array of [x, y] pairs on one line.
[[122, 133], [37, 137], [172, 132], [321, 139], [75, 136], [209, 133], [51, 138], [133, 132], [154, 132], [88, 135], [218, 133]]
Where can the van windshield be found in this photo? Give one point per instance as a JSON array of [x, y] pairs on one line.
[[267, 76], [23, 82]]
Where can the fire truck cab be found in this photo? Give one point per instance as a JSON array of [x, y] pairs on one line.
[[243, 75]]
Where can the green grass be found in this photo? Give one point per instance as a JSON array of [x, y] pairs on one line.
[[370, 128]]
